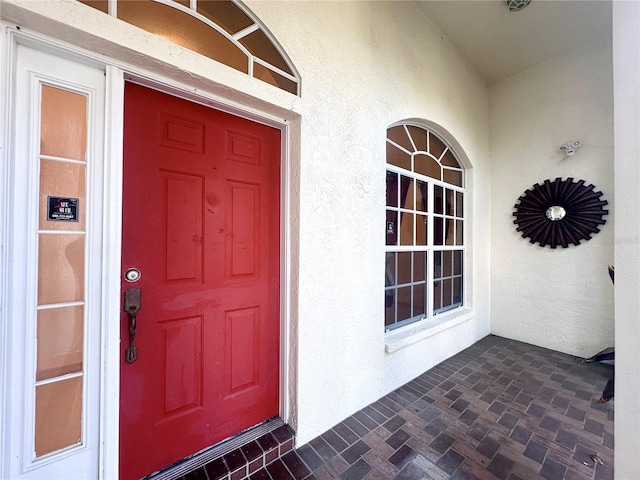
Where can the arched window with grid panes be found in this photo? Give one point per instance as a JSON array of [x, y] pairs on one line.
[[223, 30], [424, 226]]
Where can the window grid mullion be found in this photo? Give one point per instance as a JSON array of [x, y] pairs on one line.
[[455, 219], [406, 129], [412, 284], [413, 186], [395, 290], [430, 246], [424, 178]]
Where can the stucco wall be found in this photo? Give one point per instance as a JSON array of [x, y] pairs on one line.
[[364, 66], [560, 299]]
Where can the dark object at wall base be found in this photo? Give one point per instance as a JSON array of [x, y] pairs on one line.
[[607, 393], [602, 356], [606, 355]]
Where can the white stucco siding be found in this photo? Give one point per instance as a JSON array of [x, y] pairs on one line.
[[365, 65], [560, 299]]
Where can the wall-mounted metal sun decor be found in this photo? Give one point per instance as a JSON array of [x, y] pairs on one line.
[[517, 5], [559, 212]]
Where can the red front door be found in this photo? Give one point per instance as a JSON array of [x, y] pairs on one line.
[[201, 224]]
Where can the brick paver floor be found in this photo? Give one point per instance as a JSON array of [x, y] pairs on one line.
[[500, 409]]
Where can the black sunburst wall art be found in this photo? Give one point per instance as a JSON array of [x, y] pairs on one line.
[[559, 212]]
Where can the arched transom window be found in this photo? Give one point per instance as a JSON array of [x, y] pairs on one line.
[[223, 30], [424, 226]]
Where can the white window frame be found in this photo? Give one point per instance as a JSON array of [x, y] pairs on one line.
[[430, 248], [19, 260]]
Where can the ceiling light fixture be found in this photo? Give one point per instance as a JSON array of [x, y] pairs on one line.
[[517, 5]]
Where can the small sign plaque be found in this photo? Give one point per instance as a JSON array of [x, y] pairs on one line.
[[390, 228], [62, 209]]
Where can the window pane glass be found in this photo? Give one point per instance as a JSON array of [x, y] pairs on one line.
[[453, 177], [457, 290], [260, 46], [459, 205], [398, 158], [437, 295], [392, 227], [406, 228], [419, 304], [421, 196], [404, 303], [459, 233], [404, 267], [225, 14], [449, 233], [392, 189], [58, 415], [102, 5], [436, 147], [438, 226], [438, 199], [419, 266], [449, 160], [437, 265], [450, 207], [182, 29], [419, 137], [406, 192], [60, 268], [390, 269], [421, 230], [399, 136], [63, 124], [457, 262], [447, 291], [425, 165], [390, 307], [60, 341], [447, 263], [274, 78]]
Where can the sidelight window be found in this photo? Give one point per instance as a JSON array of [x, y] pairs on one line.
[[424, 226]]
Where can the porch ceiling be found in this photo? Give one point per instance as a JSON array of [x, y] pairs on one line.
[[500, 43]]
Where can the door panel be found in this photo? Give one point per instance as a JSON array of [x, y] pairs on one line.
[[184, 223], [201, 223]]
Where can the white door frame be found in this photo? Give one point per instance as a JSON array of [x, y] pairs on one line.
[[116, 74]]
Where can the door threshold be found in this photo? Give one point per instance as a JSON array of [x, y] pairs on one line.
[[246, 452]]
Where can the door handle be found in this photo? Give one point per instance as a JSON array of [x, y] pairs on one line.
[[132, 305]]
